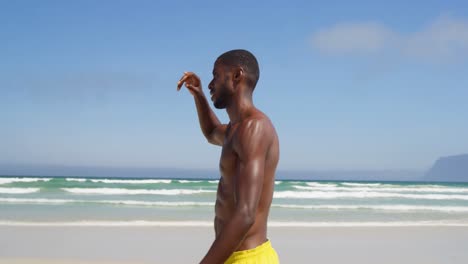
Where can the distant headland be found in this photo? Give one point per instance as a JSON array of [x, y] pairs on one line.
[[449, 169]]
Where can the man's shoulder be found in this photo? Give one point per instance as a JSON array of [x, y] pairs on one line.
[[256, 127], [257, 121], [253, 134]]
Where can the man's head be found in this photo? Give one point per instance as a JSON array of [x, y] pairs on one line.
[[233, 69]]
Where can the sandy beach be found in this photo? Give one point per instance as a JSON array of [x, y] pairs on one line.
[[121, 245]]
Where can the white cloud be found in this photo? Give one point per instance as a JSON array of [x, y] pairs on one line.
[[445, 38], [353, 38]]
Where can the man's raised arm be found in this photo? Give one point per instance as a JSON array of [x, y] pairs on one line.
[[210, 125]]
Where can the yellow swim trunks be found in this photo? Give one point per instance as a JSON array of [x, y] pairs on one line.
[[263, 254]]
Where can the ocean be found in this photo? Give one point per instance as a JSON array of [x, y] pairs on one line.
[[61, 201]]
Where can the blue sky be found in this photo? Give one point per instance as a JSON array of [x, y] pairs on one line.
[[348, 85]]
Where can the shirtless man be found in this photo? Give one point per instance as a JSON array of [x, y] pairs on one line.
[[250, 154]]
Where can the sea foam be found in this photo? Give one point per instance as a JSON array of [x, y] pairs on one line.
[[120, 191], [18, 190], [336, 207], [364, 194], [188, 181], [136, 181], [111, 202], [397, 207], [75, 180], [13, 180], [384, 189]]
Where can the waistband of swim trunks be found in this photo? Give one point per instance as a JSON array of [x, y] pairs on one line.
[[252, 252]]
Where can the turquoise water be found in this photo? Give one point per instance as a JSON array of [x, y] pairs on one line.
[[129, 201]]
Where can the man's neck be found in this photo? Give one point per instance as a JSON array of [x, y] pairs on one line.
[[240, 108]]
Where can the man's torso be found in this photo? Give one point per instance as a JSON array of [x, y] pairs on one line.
[[226, 195]]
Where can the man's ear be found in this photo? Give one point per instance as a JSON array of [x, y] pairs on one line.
[[238, 74]]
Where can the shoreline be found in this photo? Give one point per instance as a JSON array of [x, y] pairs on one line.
[[196, 224], [141, 245]]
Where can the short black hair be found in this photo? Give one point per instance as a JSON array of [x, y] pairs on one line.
[[244, 59]]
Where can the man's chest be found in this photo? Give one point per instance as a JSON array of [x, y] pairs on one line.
[[228, 160]]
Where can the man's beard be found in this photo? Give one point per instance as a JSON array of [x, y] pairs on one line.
[[222, 99], [220, 104]]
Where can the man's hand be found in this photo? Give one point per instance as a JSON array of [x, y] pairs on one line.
[[212, 129], [192, 82]]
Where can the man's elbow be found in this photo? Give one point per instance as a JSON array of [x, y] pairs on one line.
[[213, 140]]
